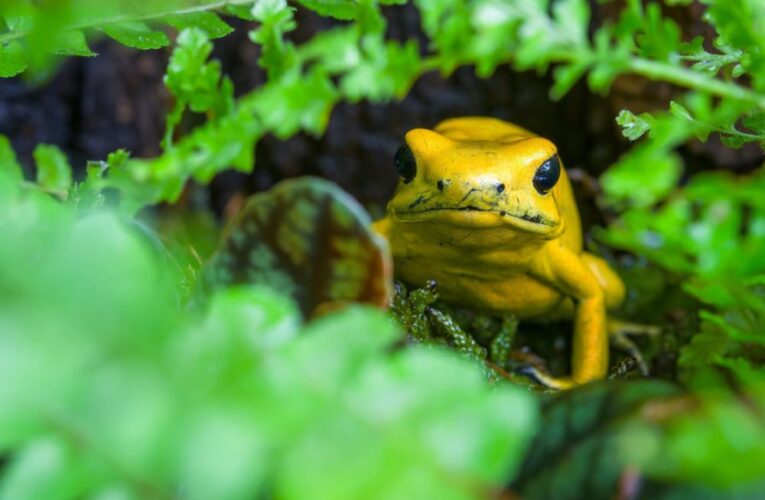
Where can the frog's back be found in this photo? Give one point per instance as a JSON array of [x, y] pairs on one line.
[[485, 129]]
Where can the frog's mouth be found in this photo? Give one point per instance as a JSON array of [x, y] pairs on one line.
[[476, 217]]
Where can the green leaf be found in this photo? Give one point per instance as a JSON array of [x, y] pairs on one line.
[[700, 128], [733, 141], [264, 319], [45, 458], [659, 37], [337, 50], [686, 438], [386, 71], [137, 35], [194, 82], [610, 61], [72, 43], [226, 455], [707, 62], [345, 10], [269, 9], [738, 24], [633, 126], [240, 11], [755, 121], [566, 76], [679, 111], [276, 19], [572, 17], [654, 170], [212, 24], [734, 334], [53, 171], [191, 79], [117, 159], [13, 59], [19, 15], [9, 166], [293, 103]]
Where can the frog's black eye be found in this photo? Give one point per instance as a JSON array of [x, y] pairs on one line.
[[547, 175], [406, 165]]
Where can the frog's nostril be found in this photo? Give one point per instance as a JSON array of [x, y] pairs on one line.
[[440, 185], [500, 188]]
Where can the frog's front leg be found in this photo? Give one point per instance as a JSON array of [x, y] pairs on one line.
[[566, 271]]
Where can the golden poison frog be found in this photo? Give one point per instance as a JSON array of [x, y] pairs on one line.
[[486, 210]]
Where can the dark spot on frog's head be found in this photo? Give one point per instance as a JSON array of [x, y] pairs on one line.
[[440, 185], [420, 199], [502, 213], [500, 188]]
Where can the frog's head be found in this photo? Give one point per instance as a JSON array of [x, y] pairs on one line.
[[481, 174]]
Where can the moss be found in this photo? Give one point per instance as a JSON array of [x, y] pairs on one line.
[[482, 337]]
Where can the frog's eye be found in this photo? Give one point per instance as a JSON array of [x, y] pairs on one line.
[[406, 165], [547, 175]]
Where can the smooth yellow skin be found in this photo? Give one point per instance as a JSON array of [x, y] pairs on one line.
[[516, 250]]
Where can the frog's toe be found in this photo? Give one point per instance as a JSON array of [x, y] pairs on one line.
[[540, 377], [617, 327], [618, 332], [624, 343]]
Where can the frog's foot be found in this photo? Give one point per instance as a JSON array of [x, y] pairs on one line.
[[618, 332], [540, 377]]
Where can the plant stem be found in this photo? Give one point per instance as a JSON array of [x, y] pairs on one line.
[[680, 75], [123, 18]]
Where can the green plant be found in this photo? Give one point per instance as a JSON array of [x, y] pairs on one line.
[[300, 91], [115, 388], [710, 233], [122, 387]]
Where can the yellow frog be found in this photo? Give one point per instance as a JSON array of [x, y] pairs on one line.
[[485, 208]]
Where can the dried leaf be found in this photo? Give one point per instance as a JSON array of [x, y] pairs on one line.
[[309, 239]]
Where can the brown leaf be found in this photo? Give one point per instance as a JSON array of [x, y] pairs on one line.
[[309, 239]]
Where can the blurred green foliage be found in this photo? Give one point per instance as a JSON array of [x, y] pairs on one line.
[[711, 234], [354, 61], [114, 387], [644, 439], [594, 419]]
